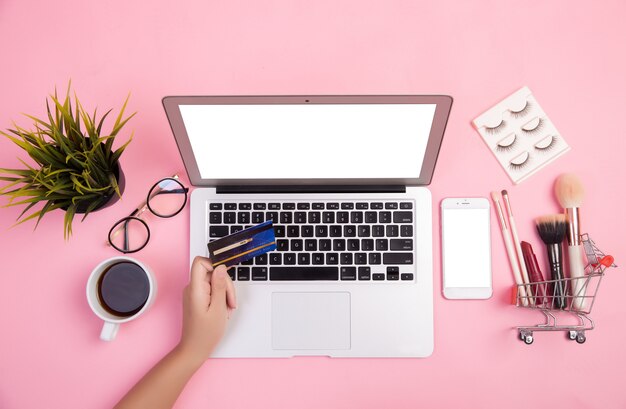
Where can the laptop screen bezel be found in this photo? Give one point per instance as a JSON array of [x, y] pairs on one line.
[[443, 104]]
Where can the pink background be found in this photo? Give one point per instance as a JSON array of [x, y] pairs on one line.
[[571, 55]]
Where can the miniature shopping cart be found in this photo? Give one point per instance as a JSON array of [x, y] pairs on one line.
[[570, 296]]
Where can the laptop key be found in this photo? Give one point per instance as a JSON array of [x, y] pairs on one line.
[[360, 258], [354, 245], [259, 273], [235, 229], [364, 273], [300, 217], [258, 217], [378, 231], [276, 258], [261, 260], [384, 217], [374, 258], [346, 258], [343, 217], [382, 245], [303, 206], [273, 206], [243, 217], [391, 205], [218, 231], [296, 245], [371, 217], [335, 231], [339, 245], [215, 206], [349, 231], [403, 217], [310, 245], [362, 205], [406, 231], [317, 206], [279, 230], [273, 216], [289, 206], [398, 258], [230, 206], [307, 231], [406, 276], [215, 217], [289, 259], [376, 206], [245, 206], [393, 273], [321, 231], [230, 218], [378, 277], [282, 245], [259, 206], [243, 273], [314, 217], [286, 217], [401, 244], [232, 273], [392, 230], [367, 244], [328, 217], [363, 231], [356, 217], [332, 258], [318, 258], [325, 245], [347, 206], [406, 205], [332, 206], [293, 231], [304, 273], [304, 258], [348, 273]]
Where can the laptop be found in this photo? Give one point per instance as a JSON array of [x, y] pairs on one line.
[[343, 180]]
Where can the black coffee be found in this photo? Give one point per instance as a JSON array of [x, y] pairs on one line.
[[123, 289]]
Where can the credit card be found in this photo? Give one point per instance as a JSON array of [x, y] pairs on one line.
[[243, 245]]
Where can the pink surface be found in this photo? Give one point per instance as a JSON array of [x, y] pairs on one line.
[[570, 55]]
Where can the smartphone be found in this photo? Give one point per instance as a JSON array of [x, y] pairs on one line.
[[466, 248]]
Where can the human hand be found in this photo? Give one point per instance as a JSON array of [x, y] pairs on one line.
[[207, 304]]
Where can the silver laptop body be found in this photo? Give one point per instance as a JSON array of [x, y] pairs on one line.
[[343, 178]]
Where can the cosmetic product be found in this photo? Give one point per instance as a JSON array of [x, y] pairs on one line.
[[510, 250], [534, 272], [516, 244], [552, 230], [520, 135], [570, 194]]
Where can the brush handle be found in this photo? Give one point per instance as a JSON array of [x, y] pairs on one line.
[[555, 257], [515, 267], [577, 274], [520, 259]]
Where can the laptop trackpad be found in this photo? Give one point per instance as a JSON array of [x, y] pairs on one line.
[[311, 321]]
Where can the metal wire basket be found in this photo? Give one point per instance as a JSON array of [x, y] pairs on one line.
[[573, 296]]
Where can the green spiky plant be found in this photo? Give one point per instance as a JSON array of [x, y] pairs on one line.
[[75, 167]]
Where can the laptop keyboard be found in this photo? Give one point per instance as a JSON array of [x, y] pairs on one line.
[[333, 240]]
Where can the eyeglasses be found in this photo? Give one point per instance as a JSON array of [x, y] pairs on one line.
[[166, 199]]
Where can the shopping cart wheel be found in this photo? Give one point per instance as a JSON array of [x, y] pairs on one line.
[[573, 335], [527, 337], [581, 338]]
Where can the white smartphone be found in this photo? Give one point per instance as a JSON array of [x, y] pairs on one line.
[[466, 248]]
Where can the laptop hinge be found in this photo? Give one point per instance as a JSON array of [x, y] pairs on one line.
[[313, 189]]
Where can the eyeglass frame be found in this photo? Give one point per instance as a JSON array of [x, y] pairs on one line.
[[136, 215]]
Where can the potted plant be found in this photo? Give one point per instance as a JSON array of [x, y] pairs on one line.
[[76, 168]]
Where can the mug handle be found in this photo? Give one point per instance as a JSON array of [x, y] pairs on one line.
[[109, 331]]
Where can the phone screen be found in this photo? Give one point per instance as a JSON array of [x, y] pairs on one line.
[[466, 247]]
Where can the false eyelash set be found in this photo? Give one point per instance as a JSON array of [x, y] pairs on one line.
[[520, 135]]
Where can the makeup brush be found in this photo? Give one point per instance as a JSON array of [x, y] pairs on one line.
[[570, 194], [552, 230], [510, 250], [516, 245]]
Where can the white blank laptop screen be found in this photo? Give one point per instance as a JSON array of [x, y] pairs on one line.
[[302, 141]]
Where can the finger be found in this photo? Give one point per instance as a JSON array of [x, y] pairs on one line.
[[200, 268], [219, 283], [231, 295]]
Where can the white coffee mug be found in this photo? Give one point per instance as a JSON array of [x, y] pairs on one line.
[[112, 322]]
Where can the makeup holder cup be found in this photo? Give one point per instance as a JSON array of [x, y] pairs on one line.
[[520, 135]]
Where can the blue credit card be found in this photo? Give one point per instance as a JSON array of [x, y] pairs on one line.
[[243, 245]]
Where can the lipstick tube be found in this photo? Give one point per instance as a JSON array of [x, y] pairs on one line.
[[534, 273]]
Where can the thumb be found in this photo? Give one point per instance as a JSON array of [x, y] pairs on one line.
[[218, 288]]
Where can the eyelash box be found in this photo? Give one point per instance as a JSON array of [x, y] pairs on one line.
[[520, 135]]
